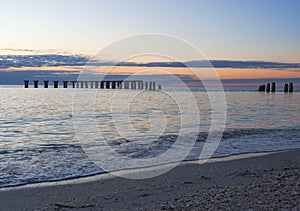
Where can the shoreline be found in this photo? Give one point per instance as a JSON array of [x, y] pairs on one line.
[[264, 181], [108, 175]]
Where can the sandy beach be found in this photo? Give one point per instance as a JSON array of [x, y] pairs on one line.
[[261, 182]]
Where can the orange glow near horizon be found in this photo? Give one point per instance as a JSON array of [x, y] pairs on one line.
[[224, 73], [257, 73]]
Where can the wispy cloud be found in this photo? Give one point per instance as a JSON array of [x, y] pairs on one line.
[[17, 50], [24, 51]]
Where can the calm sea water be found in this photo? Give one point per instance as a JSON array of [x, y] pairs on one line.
[[38, 142]]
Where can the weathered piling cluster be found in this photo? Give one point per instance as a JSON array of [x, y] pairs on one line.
[[132, 84], [268, 88], [288, 87]]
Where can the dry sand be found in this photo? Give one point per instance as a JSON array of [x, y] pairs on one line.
[[265, 182]]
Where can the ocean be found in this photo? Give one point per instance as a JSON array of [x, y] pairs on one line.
[[38, 142]]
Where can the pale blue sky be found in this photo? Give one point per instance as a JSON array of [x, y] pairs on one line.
[[229, 29]]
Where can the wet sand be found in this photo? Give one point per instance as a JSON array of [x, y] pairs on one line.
[[264, 182]]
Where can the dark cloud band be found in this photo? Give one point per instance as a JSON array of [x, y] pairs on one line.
[[57, 60]]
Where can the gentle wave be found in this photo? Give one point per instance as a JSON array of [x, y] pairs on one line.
[[69, 161]]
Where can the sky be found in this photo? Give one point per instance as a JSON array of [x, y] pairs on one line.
[[250, 30]]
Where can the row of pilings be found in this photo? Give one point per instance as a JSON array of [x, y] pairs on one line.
[[132, 84], [272, 88]]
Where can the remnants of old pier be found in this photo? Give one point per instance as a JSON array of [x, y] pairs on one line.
[[125, 84]]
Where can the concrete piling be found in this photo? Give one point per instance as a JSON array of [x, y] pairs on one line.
[[146, 85], [119, 84], [132, 84], [96, 84], [150, 85], [259, 88], [36, 84], [136, 84], [286, 88], [46, 84], [291, 88], [107, 85], [73, 84], [26, 83], [159, 87], [154, 86], [55, 84], [92, 84], [113, 84], [273, 87], [139, 85], [102, 85], [65, 84], [126, 85], [268, 87], [262, 88], [86, 84]]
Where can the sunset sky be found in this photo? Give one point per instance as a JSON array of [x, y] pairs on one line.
[[231, 30]]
